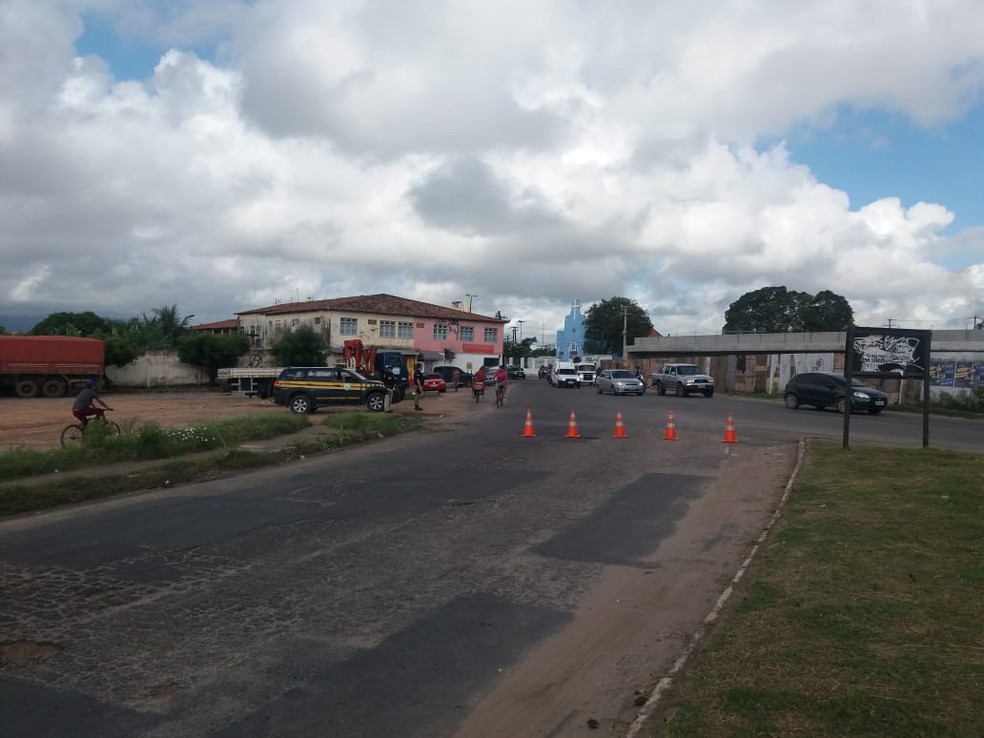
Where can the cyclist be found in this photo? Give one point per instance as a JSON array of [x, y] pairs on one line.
[[84, 406], [500, 382]]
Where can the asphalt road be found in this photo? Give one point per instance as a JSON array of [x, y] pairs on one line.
[[419, 586]]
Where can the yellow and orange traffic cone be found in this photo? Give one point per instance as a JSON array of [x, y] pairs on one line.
[[729, 431], [671, 434], [619, 426], [572, 427], [528, 428]]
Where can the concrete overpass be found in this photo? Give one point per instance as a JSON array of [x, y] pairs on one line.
[[962, 341]]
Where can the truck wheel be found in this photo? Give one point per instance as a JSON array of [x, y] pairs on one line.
[[26, 388], [376, 402], [53, 387], [680, 391], [300, 404], [660, 389]]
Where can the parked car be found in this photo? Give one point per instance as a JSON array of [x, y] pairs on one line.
[[824, 389], [515, 371], [434, 382], [619, 382], [303, 389], [447, 373], [490, 375]]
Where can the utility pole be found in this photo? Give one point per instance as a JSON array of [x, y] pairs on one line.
[[470, 298], [520, 328], [625, 333]]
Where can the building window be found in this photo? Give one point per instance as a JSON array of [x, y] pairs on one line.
[[348, 326], [387, 329], [440, 331], [317, 320], [491, 335], [467, 333], [404, 330]]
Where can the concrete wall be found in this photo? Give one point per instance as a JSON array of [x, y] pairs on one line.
[[156, 369]]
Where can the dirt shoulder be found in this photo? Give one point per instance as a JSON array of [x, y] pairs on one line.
[[36, 423]]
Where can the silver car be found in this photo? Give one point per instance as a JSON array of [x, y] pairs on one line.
[[619, 382]]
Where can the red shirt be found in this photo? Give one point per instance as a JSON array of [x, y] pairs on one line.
[[501, 376]]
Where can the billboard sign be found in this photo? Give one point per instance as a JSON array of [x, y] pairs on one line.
[[888, 352]]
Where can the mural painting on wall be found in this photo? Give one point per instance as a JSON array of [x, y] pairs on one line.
[[956, 371]]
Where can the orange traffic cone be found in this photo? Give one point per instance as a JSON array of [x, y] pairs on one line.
[[729, 431], [619, 426], [671, 434], [572, 427], [528, 428]]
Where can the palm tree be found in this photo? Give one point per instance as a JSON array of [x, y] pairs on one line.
[[167, 325]]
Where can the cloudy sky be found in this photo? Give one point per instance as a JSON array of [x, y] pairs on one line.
[[227, 154]]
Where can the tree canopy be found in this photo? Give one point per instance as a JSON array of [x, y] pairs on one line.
[[778, 310], [125, 340], [72, 324], [604, 322], [210, 352], [302, 347]]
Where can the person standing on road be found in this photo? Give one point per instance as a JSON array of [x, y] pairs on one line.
[[456, 378], [85, 403], [418, 385]]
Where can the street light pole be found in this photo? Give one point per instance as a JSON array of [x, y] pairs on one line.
[[625, 333]]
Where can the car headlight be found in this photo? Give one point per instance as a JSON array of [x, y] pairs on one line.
[[860, 396]]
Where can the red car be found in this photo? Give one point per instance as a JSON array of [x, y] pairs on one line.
[[434, 382]]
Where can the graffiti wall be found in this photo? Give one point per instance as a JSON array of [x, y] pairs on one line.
[[782, 367]]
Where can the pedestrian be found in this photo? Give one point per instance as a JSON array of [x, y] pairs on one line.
[[418, 384], [455, 378]]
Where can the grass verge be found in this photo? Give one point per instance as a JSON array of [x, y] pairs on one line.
[[95, 478], [864, 614]]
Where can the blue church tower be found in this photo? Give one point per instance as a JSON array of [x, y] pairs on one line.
[[570, 340]]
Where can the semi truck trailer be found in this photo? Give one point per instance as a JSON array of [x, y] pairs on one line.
[[50, 366]]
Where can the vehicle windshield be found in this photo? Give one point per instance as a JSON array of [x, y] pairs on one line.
[[622, 374], [688, 369], [565, 370]]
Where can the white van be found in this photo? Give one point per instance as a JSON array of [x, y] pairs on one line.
[[564, 374]]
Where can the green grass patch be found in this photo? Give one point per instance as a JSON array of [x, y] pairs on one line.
[[196, 454], [147, 441], [863, 616]]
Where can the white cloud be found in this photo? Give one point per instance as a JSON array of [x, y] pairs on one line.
[[437, 149]]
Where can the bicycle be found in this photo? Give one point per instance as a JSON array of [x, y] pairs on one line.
[[500, 394], [74, 434]]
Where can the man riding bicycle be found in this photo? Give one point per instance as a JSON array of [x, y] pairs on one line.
[[500, 381], [84, 406]]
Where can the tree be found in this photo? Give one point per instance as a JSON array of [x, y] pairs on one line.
[[210, 352], [519, 349], [3, 331], [827, 312], [120, 351], [301, 347], [604, 324], [165, 328], [778, 310], [71, 324]]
